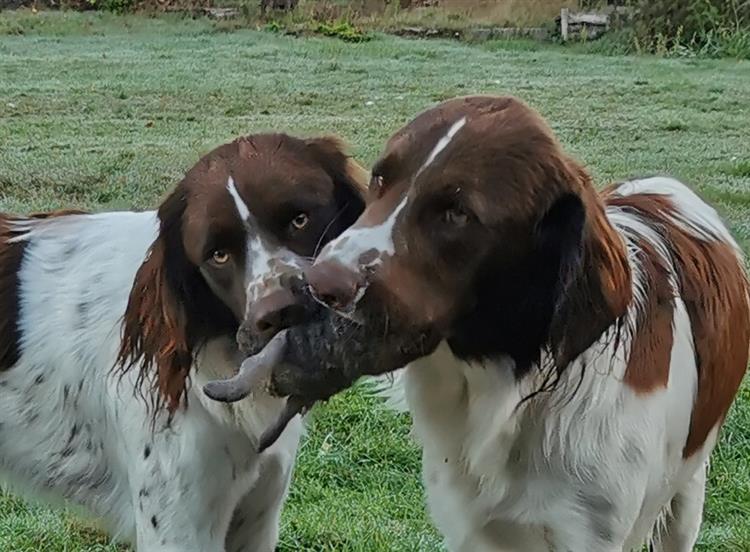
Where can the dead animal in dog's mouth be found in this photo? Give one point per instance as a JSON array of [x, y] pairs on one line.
[[314, 361]]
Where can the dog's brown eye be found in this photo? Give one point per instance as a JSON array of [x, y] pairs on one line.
[[300, 221], [456, 216], [220, 257], [376, 185]]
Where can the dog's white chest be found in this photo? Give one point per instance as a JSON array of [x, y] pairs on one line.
[[500, 475]]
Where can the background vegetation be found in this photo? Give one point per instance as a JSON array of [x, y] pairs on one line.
[[713, 28], [107, 112], [670, 28]]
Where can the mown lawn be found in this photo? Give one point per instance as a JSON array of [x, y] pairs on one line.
[[102, 112]]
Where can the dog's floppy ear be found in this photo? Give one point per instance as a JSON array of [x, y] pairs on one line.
[[593, 279], [559, 239], [349, 177], [562, 294], [155, 326], [526, 304]]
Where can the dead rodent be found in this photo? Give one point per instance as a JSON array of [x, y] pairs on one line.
[[314, 361]]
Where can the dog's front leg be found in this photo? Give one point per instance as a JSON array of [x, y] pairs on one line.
[[255, 524], [167, 520], [184, 488]]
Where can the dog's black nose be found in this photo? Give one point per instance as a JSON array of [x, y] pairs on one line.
[[334, 284], [274, 312]]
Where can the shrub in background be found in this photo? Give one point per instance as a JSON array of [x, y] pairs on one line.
[[116, 6], [691, 18], [693, 27]]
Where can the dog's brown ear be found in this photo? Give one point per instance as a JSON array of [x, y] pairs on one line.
[[593, 278], [155, 326], [350, 178], [357, 176], [332, 153]]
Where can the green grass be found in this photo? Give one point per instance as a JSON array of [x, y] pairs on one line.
[[103, 112]]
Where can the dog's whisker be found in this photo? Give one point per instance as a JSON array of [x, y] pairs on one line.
[[325, 230]]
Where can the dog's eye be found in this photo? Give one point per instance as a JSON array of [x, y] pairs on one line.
[[300, 221], [455, 216], [220, 257], [376, 185]]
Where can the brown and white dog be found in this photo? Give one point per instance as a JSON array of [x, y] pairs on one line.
[[577, 352], [159, 295]]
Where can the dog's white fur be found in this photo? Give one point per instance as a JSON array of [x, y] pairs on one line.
[[598, 468], [72, 429]]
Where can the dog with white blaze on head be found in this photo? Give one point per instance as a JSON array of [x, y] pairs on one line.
[[569, 355], [106, 318]]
